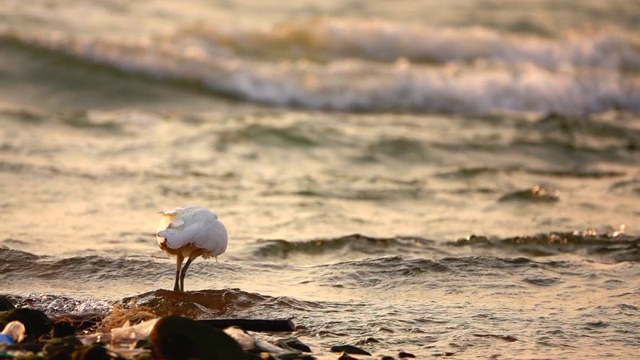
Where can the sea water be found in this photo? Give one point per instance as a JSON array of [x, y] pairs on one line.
[[443, 179]]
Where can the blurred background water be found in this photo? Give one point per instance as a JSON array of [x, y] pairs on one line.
[[443, 178]]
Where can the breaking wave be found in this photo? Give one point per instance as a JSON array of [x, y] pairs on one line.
[[348, 65], [613, 247]]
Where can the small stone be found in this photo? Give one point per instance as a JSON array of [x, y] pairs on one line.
[[176, 338], [344, 356], [447, 353], [293, 343], [349, 349], [369, 340], [404, 355], [385, 357], [295, 356]]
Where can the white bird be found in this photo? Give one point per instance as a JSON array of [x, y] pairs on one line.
[[188, 233]]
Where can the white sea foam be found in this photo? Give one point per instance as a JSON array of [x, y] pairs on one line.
[[388, 41], [498, 73]]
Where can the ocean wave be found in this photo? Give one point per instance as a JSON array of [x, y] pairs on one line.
[[351, 245], [20, 264], [385, 272], [8, 255], [480, 84], [324, 39], [480, 171], [402, 265], [612, 247]]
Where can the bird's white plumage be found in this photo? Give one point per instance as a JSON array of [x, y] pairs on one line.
[[189, 233], [192, 226]]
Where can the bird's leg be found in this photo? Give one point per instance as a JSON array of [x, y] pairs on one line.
[[179, 261], [184, 272]]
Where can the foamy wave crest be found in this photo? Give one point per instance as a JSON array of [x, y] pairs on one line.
[[386, 41], [351, 84]]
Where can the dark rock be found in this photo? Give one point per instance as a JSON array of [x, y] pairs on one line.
[[176, 338], [293, 343], [35, 322], [369, 340], [404, 355], [295, 356], [447, 353], [62, 329], [5, 303], [385, 357], [345, 356], [349, 349]]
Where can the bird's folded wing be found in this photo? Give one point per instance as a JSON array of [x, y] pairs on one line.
[[179, 237]]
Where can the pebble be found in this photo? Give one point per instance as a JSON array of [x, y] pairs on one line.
[[350, 349], [176, 338], [293, 344], [404, 355], [345, 356]]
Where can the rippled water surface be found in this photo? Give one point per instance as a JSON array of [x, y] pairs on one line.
[[445, 180]]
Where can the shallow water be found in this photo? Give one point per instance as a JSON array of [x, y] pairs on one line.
[[486, 153], [396, 294]]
